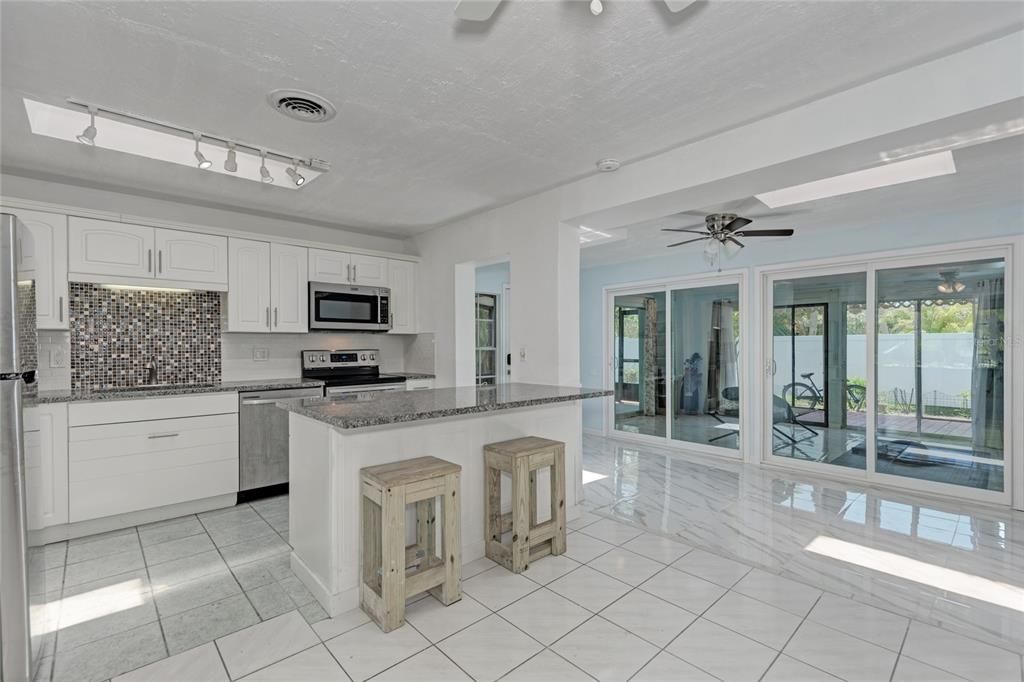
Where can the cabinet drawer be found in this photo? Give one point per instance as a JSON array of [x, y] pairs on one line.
[[418, 384], [112, 441], [141, 409]]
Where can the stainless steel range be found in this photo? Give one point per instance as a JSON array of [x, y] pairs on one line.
[[349, 374]]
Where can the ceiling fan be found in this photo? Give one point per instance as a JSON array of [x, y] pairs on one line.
[[722, 232], [481, 10]]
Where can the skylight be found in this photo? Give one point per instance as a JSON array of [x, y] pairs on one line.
[[588, 236], [894, 173], [136, 139]]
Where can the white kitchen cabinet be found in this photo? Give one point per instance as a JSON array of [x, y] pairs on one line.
[[248, 285], [418, 384], [101, 247], [330, 266], [46, 465], [191, 256], [289, 288], [369, 270], [43, 255], [402, 276]]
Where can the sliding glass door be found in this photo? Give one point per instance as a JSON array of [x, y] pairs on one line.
[[639, 363]]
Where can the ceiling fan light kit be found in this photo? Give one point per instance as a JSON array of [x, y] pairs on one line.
[[720, 235]]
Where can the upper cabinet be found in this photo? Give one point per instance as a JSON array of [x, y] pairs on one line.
[[402, 274], [330, 266], [369, 270], [267, 287], [122, 253], [44, 254]]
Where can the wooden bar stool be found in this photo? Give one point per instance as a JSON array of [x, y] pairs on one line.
[[391, 571], [522, 457]]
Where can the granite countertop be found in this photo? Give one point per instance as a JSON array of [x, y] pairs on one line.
[[161, 391], [396, 407]]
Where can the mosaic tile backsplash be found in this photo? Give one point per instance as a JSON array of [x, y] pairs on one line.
[[115, 333]]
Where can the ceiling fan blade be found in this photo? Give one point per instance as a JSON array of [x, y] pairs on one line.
[[736, 224], [734, 241], [688, 241], [476, 10], [765, 233], [677, 5], [679, 229]]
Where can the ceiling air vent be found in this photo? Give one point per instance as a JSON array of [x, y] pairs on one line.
[[302, 106]]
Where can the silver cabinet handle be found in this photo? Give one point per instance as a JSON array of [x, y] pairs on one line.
[[160, 260], [153, 436], [268, 317], [275, 316], [149, 268], [348, 272], [60, 308], [355, 273]]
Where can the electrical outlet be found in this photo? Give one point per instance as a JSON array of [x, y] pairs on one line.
[[522, 353], [260, 354]]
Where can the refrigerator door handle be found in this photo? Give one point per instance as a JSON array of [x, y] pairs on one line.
[[60, 308]]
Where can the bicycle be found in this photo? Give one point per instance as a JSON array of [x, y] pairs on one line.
[[810, 397]]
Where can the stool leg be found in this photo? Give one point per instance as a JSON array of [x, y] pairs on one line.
[[393, 551], [521, 514], [558, 501], [533, 498], [371, 528], [492, 505], [451, 538], [426, 535]]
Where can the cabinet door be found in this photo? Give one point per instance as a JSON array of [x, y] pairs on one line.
[[369, 270], [44, 255], [330, 266], [248, 285], [289, 288], [403, 296], [191, 256], [46, 467], [101, 247]]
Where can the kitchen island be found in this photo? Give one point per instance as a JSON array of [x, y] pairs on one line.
[[331, 440]]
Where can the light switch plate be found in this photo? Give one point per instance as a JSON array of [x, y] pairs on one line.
[[58, 358], [260, 354]]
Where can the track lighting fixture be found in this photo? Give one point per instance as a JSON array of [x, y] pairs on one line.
[[265, 175], [204, 162], [596, 7], [88, 136], [294, 174], [231, 163]]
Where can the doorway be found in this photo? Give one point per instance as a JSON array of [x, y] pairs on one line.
[[493, 356]]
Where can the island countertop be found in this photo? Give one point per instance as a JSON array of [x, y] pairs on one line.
[[411, 406]]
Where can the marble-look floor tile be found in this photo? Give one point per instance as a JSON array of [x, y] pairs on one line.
[[590, 589], [263, 572], [256, 647], [626, 566], [313, 665], [187, 568], [435, 621], [173, 529], [476, 567], [313, 613], [55, 555], [207, 623], [270, 600], [760, 622], [787, 669], [605, 651], [544, 615], [965, 657], [649, 617], [113, 621], [547, 666], [177, 549], [105, 566], [430, 664], [230, 534], [684, 590], [860, 620], [582, 548], [254, 550], [711, 567], [105, 658], [105, 545], [365, 651], [583, 520], [721, 652], [201, 664], [612, 532], [655, 547], [488, 649], [332, 627], [497, 588], [180, 597], [665, 667], [909, 670], [840, 654], [543, 571], [783, 593]]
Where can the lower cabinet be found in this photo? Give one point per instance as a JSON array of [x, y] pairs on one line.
[[46, 465], [126, 456], [418, 384]]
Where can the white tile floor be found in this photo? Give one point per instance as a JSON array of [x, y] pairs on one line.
[[621, 604]]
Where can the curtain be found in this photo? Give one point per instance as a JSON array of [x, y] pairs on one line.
[[987, 372], [649, 381], [722, 360]]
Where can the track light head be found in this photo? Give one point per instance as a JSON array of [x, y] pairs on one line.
[[231, 163], [294, 174], [204, 162], [88, 136], [265, 175]]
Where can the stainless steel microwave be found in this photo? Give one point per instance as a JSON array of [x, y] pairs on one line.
[[349, 307]]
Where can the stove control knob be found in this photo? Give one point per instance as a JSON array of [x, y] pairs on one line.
[[363, 356], [372, 356], [323, 358]]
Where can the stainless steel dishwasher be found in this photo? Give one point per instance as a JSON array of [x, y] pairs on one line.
[[263, 439]]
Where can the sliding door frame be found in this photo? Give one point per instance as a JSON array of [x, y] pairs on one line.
[[747, 437], [1011, 250]]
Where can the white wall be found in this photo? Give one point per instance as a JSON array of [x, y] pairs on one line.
[[544, 260], [14, 186], [492, 278]]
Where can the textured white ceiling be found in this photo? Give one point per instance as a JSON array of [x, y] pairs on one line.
[[437, 120]]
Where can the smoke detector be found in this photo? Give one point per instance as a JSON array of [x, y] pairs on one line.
[[608, 165], [302, 106]]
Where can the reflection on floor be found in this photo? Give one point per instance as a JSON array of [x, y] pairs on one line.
[[695, 428], [945, 563]]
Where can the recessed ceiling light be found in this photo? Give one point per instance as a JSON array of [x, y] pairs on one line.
[[894, 173], [608, 165], [88, 136]]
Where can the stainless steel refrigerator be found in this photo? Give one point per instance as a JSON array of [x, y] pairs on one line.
[[20, 573]]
